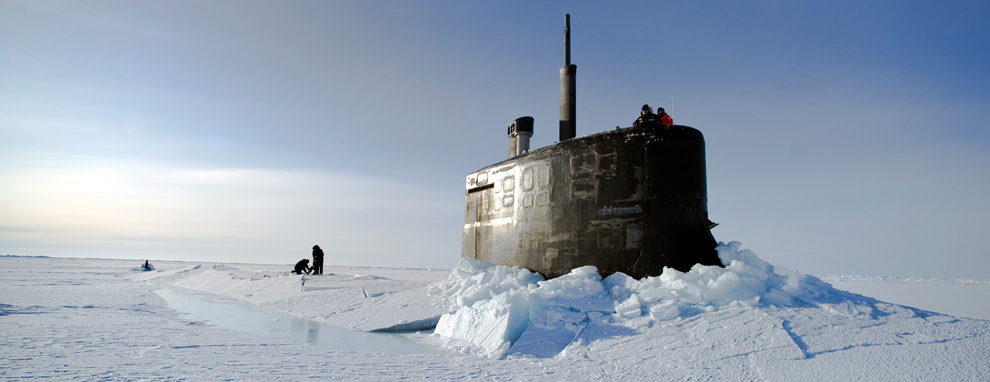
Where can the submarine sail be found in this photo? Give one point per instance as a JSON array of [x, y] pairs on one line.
[[626, 200]]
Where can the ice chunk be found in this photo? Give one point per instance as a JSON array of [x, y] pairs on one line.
[[507, 310]]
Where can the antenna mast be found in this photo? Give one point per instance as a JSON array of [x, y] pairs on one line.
[[568, 100], [567, 39]]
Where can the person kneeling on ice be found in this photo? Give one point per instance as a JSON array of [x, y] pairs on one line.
[[302, 267]]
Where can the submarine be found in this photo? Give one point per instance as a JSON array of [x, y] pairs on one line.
[[630, 200]]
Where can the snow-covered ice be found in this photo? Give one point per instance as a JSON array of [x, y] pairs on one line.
[[103, 319]]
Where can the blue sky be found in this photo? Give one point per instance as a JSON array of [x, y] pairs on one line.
[[842, 137]]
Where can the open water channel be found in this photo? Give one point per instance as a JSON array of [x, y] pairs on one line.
[[233, 314]]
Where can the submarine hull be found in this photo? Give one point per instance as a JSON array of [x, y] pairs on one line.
[[630, 200]]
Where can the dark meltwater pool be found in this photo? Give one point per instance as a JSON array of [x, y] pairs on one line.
[[233, 314]]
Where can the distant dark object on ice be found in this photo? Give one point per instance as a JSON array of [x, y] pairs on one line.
[[144, 267]]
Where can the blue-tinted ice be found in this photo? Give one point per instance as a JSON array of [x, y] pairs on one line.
[[232, 314]]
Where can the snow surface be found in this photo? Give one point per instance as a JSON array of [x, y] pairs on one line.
[[102, 319], [957, 297]]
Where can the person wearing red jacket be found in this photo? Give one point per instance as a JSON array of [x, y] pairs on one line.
[[665, 119]]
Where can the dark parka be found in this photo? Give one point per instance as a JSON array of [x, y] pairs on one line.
[[317, 260], [302, 267], [647, 120]]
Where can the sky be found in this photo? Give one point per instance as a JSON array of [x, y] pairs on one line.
[[842, 137]]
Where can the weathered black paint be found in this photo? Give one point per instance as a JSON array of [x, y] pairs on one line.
[[629, 200]]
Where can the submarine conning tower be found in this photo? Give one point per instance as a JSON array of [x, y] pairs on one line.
[[624, 200]]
